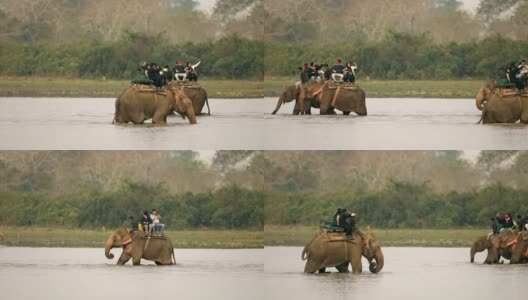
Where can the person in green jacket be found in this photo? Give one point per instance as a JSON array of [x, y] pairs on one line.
[[502, 79], [141, 78]]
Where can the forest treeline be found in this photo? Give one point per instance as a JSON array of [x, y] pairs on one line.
[[231, 57], [401, 56], [246, 189], [399, 39]]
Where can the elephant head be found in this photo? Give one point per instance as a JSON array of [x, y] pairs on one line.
[[183, 104], [289, 94], [118, 238], [372, 252], [483, 94], [309, 92]]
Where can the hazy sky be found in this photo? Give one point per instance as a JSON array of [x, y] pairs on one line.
[[468, 4]]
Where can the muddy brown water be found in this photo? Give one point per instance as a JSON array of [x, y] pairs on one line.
[[85, 123], [85, 273], [408, 273]]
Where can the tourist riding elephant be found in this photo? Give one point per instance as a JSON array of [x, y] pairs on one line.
[[199, 98], [137, 104], [137, 246], [330, 249], [515, 244], [501, 106], [292, 93], [344, 98]]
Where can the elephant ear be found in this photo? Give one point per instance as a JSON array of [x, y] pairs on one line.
[[127, 238]]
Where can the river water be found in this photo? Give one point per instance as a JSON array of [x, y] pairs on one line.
[[408, 273], [86, 123], [85, 273]]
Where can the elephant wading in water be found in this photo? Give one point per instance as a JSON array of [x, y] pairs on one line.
[[515, 243], [330, 249], [139, 103], [346, 98], [292, 93], [198, 97], [137, 246], [489, 243], [499, 105]]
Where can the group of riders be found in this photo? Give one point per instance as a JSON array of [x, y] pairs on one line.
[[154, 74], [338, 72], [514, 75], [346, 220], [504, 221], [148, 224]]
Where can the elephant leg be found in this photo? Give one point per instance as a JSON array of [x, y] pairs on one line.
[[356, 266], [346, 113], [160, 117], [324, 108], [322, 270], [136, 261], [123, 259], [311, 267], [343, 268], [524, 117]]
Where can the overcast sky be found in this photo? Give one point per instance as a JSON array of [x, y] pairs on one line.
[[470, 5]]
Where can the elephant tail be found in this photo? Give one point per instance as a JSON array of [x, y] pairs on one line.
[[116, 110], [305, 253], [207, 102]]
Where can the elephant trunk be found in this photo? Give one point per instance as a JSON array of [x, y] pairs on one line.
[[472, 254], [377, 265], [480, 100], [279, 103], [108, 246]]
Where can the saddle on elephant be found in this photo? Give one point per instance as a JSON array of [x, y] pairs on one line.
[[332, 236], [187, 84], [508, 92], [148, 89]]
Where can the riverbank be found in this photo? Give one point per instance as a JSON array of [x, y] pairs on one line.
[[60, 87], [273, 86], [50, 237], [300, 235], [270, 87]]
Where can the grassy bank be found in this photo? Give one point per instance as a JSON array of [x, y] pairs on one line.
[[395, 88], [49, 237], [60, 87], [300, 235]]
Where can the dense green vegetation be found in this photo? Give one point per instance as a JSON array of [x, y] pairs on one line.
[[231, 57], [247, 189], [401, 56], [399, 205], [227, 208]]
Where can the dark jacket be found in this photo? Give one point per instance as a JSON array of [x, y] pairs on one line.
[[178, 69], [146, 219], [338, 69]]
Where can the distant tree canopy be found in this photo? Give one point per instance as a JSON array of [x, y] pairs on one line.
[[246, 189]]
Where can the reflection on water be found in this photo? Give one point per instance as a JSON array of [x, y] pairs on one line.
[[409, 273], [83, 123], [62, 273]]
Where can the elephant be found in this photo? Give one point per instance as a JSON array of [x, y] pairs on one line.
[[292, 93], [516, 245], [344, 98], [137, 246], [490, 243], [198, 97], [331, 249], [501, 105], [139, 103]]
